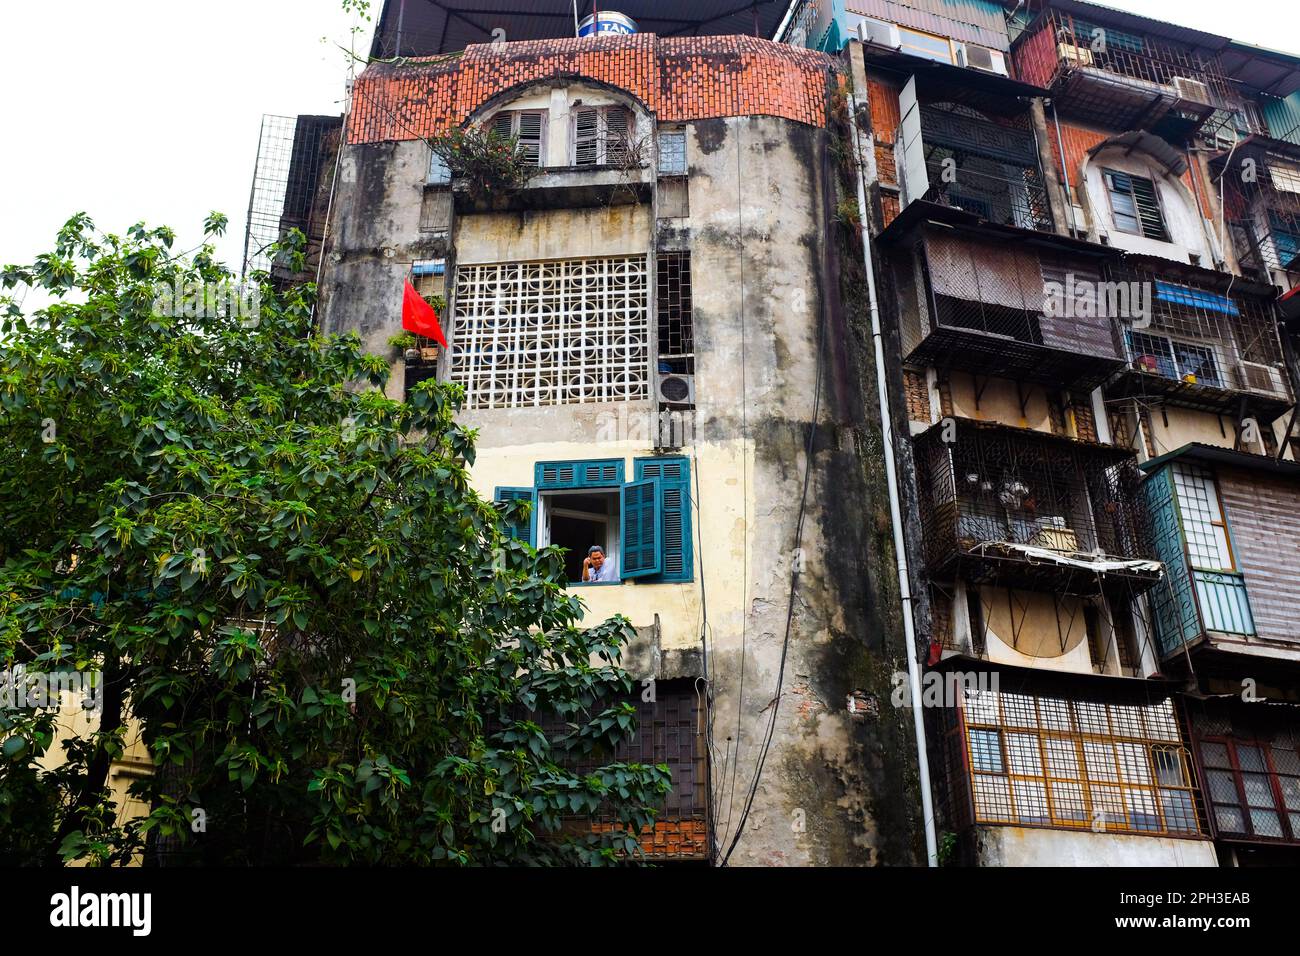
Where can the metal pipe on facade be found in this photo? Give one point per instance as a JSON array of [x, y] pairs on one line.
[[1065, 172], [895, 511]]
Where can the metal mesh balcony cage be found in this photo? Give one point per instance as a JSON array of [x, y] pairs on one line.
[[1204, 344], [1261, 198], [985, 164], [1051, 755], [290, 187], [1002, 310], [1010, 506], [1118, 77]]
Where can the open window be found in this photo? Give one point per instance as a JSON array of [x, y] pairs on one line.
[[1135, 205], [643, 526], [1174, 359]]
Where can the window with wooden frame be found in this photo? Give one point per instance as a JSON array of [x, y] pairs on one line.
[[926, 45], [1135, 205], [528, 130], [1044, 760], [1205, 529], [1253, 786], [603, 136]]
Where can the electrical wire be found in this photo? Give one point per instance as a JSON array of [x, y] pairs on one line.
[[794, 588]]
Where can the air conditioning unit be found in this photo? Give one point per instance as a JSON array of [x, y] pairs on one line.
[[1194, 90], [879, 33], [982, 58], [1079, 56], [1263, 378], [675, 389]]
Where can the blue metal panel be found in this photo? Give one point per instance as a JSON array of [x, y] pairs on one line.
[[1224, 602], [1282, 116]]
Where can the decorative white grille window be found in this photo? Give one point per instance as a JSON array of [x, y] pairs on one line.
[[603, 136], [552, 333], [527, 129]]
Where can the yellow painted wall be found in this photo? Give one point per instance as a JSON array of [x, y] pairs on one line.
[[1023, 630], [999, 402], [718, 533]]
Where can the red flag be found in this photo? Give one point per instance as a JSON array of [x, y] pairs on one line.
[[418, 316]]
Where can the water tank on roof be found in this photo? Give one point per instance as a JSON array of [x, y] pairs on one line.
[[607, 22]]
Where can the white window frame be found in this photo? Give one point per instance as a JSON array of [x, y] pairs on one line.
[[675, 135], [1203, 527], [613, 496], [515, 120], [439, 173], [601, 138], [1171, 342]]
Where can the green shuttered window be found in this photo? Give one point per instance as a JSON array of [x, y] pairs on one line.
[[521, 528]]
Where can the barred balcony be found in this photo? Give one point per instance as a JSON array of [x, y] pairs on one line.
[[1018, 508], [1209, 342], [1118, 78], [1261, 198], [975, 302], [954, 155]]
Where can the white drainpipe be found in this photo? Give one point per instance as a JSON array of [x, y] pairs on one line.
[[895, 512]]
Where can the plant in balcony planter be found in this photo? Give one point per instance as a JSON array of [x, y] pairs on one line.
[[403, 341], [484, 161]]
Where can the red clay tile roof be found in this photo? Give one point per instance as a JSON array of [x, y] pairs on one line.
[[678, 79]]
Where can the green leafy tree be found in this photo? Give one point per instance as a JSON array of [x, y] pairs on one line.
[[331, 648]]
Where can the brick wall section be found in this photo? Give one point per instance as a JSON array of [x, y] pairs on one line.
[[678, 79], [1077, 141], [1264, 520], [918, 396], [670, 839]]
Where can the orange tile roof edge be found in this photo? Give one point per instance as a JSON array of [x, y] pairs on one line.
[[676, 78]]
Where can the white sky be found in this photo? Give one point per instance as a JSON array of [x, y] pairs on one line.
[[150, 109]]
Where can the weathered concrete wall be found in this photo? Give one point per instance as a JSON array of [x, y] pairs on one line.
[[838, 787], [1024, 846]]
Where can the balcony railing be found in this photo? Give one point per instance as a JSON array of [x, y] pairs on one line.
[[1029, 509], [1201, 344], [1000, 193], [1117, 77], [1224, 604], [1262, 204]]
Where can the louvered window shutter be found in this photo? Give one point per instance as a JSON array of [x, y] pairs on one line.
[[674, 475], [530, 137], [642, 529], [586, 138], [597, 473], [521, 528], [618, 136], [1148, 207], [503, 124]]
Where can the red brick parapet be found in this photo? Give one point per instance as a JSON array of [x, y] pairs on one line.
[[677, 78]]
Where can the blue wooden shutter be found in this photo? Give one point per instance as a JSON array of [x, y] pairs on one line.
[[674, 474], [523, 530], [598, 473], [642, 529]]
